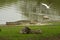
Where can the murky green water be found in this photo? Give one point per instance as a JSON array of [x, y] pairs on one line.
[[34, 9], [4, 2], [10, 12]]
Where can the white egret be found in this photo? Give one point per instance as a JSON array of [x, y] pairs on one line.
[[45, 5]]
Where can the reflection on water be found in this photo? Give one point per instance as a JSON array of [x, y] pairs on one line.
[[10, 13]]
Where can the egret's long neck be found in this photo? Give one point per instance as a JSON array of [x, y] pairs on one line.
[[45, 5]]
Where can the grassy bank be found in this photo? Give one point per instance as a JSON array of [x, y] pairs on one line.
[[50, 32]]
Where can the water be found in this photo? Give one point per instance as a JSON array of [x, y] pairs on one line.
[[10, 13], [34, 11], [22, 10]]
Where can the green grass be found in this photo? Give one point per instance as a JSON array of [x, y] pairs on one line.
[[12, 32]]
